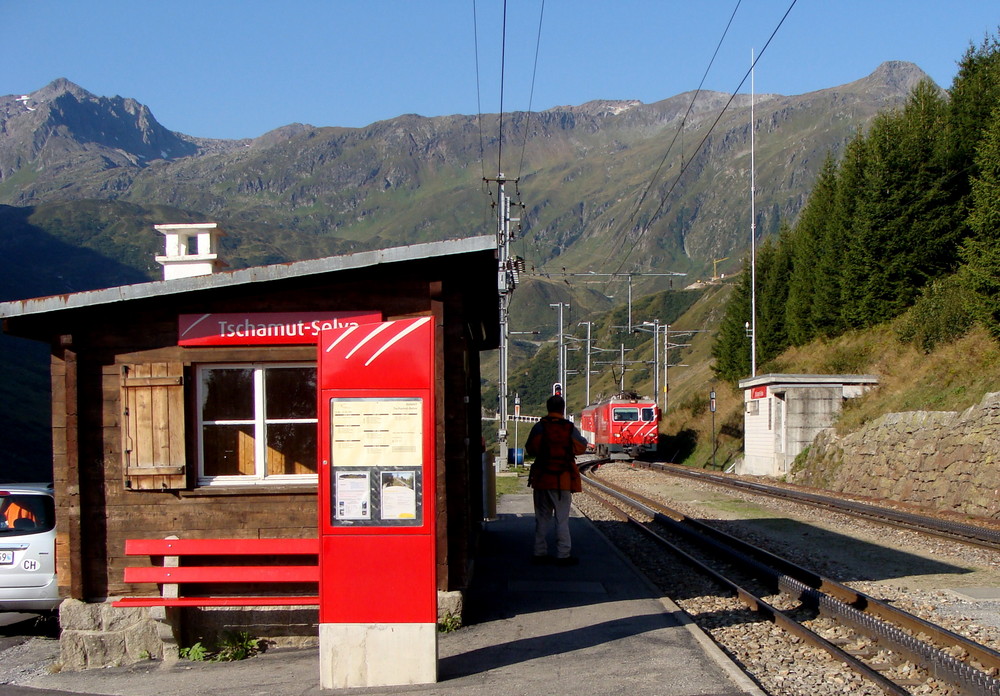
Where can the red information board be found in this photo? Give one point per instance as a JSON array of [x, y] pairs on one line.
[[376, 480]]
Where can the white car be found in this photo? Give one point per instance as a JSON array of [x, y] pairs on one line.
[[27, 548]]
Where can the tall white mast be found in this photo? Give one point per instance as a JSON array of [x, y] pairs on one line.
[[753, 233]]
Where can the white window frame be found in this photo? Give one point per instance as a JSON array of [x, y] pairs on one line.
[[260, 475], [615, 411]]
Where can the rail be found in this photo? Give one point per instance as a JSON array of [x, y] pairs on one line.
[[887, 625]]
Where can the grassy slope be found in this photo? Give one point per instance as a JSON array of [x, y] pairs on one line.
[[952, 377]]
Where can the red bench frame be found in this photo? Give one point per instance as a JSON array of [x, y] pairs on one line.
[[221, 572]]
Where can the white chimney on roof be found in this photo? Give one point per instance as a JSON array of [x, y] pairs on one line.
[[192, 249]]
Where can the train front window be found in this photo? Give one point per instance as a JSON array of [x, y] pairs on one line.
[[648, 414], [625, 415]]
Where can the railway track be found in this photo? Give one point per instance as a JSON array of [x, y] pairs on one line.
[[897, 652], [953, 531]]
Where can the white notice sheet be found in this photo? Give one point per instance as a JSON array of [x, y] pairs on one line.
[[373, 432]]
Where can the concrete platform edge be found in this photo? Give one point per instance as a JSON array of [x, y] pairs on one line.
[[711, 648]]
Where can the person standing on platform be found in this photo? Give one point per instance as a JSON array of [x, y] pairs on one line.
[[554, 477]]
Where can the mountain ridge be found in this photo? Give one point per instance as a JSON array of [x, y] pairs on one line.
[[413, 178]]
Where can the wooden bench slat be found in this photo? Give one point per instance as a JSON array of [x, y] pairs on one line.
[[221, 547], [242, 574], [216, 601]]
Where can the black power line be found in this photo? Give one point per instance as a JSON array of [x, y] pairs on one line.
[[701, 144], [531, 93], [679, 132]]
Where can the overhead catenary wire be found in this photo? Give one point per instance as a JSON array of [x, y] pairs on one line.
[[531, 93], [479, 100], [487, 211], [503, 61], [486, 180], [701, 144], [678, 133]]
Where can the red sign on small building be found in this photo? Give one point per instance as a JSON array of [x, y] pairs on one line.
[[758, 392], [264, 328]]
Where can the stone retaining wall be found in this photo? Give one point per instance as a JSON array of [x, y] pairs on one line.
[[943, 459]]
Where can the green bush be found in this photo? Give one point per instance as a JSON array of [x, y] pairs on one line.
[[450, 622], [942, 314], [237, 646], [232, 647], [195, 653]]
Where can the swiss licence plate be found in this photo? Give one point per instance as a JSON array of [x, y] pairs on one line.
[[6, 557]]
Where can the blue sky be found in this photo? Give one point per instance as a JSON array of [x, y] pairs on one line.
[[233, 69]]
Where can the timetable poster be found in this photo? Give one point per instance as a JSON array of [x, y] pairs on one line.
[[373, 432]]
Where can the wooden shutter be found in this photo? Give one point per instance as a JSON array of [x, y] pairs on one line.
[[153, 447]]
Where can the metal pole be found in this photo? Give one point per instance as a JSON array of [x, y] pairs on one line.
[[587, 378], [504, 286], [623, 369], [666, 367], [517, 418], [715, 440], [656, 360], [629, 307], [753, 235], [561, 378], [562, 353]]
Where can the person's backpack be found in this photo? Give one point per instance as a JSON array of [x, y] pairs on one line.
[[556, 447]]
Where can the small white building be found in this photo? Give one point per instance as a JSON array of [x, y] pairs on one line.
[[782, 415]]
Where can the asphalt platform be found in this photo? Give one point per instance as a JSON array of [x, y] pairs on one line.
[[595, 628]]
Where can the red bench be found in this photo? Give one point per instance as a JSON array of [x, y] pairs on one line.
[[210, 568]]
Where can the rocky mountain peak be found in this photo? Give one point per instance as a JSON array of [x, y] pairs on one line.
[[893, 76], [43, 126], [61, 86]]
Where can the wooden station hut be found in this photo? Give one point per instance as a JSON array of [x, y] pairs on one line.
[[178, 409]]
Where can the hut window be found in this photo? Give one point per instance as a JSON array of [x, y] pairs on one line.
[[256, 423]]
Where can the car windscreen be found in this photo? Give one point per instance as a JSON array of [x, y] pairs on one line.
[[26, 513]]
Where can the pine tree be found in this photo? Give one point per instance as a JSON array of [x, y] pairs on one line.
[[731, 349], [905, 234], [807, 247], [981, 273], [774, 269], [838, 295], [975, 92]]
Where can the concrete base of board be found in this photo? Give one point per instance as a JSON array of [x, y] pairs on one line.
[[357, 655]]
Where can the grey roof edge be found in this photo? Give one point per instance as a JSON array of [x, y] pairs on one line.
[[792, 379], [281, 271]]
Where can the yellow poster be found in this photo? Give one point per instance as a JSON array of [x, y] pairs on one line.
[[372, 432]]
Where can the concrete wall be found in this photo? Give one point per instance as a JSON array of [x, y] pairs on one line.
[[808, 411], [942, 459]]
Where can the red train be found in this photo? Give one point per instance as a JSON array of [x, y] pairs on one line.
[[624, 423]]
